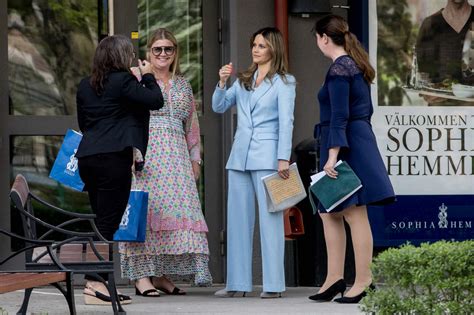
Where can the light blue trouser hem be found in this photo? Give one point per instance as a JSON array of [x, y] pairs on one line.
[[246, 288], [238, 287], [274, 288]]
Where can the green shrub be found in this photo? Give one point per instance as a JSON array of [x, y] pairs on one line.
[[435, 278]]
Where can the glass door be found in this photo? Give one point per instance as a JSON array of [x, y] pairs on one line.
[[47, 47], [50, 45], [194, 23]]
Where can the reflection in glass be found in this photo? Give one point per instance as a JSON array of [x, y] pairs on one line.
[[33, 157], [50, 48], [184, 19]]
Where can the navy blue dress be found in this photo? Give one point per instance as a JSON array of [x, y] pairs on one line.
[[345, 112]]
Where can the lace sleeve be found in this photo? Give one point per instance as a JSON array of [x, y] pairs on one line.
[[193, 137], [192, 131], [344, 67]]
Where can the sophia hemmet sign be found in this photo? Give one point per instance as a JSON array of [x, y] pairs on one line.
[[427, 150], [440, 222], [424, 114]]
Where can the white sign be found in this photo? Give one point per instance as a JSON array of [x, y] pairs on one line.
[[425, 133]]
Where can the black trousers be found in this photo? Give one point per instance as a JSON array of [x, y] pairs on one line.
[[108, 179]]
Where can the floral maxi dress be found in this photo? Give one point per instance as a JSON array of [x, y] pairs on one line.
[[176, 239]]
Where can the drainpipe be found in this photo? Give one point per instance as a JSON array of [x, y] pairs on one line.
[[281, 20]]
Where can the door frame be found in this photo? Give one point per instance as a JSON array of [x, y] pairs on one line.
[[14, 125], [211, 124]]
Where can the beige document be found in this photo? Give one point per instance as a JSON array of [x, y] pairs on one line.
[[283, 193]]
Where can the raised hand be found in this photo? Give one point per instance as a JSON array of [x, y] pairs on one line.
[[145, 66], [224, 74]]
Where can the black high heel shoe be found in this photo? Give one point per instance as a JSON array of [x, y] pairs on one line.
[[337, 287], [354, 299]]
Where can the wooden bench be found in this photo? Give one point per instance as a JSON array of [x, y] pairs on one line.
[[24, 280], [13, 280], [87, 253]]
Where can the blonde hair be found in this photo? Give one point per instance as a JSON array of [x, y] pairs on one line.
[[336, 28], [163, 33], [279, 60]]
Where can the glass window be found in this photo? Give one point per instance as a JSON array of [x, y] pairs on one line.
[[50, 48], [184, 19], [33, 157]]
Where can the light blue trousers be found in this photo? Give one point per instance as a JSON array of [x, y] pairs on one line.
[[240, 226]]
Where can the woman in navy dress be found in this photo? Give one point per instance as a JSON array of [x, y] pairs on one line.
[[346, 134]]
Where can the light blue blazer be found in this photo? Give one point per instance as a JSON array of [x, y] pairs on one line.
[[264, 122]]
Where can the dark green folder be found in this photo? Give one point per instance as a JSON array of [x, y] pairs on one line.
[[332, 192]]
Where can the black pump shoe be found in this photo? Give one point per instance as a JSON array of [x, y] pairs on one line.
[[354, 299], [337, 287]]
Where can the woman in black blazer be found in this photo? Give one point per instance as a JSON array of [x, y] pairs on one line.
[[113, 114]]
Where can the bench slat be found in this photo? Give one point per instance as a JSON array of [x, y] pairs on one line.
[[71, 253], [17, 281], [102, 248]]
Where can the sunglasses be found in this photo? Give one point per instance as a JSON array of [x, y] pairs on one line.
[[168, 50]]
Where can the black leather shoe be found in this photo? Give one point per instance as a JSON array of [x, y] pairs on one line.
[[337, 287], [353, 299]]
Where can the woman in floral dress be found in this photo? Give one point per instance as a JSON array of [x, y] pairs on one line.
[[176, 241]]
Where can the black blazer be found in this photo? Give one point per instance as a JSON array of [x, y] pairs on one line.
[[119, 117]]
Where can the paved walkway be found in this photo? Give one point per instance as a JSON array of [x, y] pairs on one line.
[[197, 301]]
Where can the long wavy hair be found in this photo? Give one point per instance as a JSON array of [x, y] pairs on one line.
[[114, 53], [279, 60], [336, 28], [163, 33]]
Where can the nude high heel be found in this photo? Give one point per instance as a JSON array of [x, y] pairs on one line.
[[229, 294]]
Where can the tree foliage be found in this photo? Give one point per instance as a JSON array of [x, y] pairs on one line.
[[396, 37]]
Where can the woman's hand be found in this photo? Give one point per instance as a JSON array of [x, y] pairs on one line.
[[331, 163], [196, 169], [224, 74], [145, 67], [283, 169]]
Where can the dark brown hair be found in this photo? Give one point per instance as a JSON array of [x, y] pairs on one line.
[[336, 28], [163, 33], [114, 53], [279, 61]]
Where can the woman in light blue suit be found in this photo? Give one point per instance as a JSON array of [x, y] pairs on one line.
[[265, 97]]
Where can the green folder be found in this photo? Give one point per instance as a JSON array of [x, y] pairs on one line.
[[332, 192]]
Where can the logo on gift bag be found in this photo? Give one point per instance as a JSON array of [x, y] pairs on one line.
[[71, 166], [66, 166], [132, 228], [124, 222]]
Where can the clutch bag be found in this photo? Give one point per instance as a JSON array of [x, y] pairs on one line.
[[283, 193]]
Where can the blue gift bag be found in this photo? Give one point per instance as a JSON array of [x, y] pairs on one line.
[[65, 168], [132, 228]]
